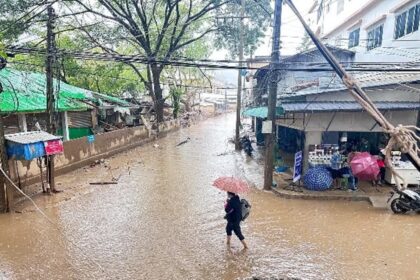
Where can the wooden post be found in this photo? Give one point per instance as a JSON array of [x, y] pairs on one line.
[[65, 126], [23, 127]]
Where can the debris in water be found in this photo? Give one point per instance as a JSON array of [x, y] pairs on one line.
[[184, 142], [156, 146]]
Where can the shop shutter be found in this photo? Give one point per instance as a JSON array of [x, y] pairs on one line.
[[79, 119]]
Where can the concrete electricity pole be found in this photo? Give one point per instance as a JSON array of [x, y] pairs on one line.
[[272, 97], [49, 65], [241, 58], [6, 190]]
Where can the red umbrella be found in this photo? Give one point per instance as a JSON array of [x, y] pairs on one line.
[[365, 166], [231, 184]]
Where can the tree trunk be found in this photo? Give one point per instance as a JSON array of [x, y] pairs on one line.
[[158, 92]]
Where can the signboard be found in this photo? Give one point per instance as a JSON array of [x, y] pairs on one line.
[[53, 147], [267, 127], [297, 172], [91, 138]]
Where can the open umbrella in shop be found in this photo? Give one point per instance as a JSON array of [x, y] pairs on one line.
[[317, 179], [231, 184], [364, 166]]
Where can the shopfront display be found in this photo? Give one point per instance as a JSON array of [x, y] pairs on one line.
[[404, 168], [325, 155]]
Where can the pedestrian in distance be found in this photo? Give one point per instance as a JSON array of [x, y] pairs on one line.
[[233, 216]]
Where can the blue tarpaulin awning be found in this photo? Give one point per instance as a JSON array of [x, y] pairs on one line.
[[261, 112], [28, 145]]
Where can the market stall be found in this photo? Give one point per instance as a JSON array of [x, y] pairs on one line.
[[38, 145]]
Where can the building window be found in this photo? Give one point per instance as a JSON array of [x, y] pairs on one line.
[[375, 37], [407, 22], [354, 38], [340, 6]]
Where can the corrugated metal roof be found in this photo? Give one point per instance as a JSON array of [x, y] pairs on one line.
[[31, 137], [316, 50], [345, 106], [365, 80], [25, 92]]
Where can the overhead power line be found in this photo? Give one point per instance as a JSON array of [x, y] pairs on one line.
[[195, 63]]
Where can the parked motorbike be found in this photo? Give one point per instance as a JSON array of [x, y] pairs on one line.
[[246, 145], [405, 201]]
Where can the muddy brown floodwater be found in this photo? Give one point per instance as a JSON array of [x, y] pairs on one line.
[[164, 220]]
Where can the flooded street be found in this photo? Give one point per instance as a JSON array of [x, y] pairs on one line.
[[164, 220]]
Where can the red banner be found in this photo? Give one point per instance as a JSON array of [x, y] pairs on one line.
[[53, 147]]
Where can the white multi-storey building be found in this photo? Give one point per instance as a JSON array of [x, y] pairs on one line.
[[376, 30]]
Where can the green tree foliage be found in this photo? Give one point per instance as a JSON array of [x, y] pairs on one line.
[[104, 77], [158, 30], [20, 16], [306, 43], [2, 50], [175, 94], [258, 18]]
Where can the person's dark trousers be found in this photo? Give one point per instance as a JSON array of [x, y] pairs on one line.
[[236, 228], [383, 170]]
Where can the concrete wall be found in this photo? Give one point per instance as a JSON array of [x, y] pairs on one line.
[[80, 152], [311, 138], [346, 121]]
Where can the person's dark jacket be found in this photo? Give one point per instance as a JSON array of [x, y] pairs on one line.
[[234, 210]]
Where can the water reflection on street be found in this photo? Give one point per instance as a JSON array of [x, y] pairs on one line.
[[164, 220]]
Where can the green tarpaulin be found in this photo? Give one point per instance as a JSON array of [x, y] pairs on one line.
[[24, 92], [261, 112]]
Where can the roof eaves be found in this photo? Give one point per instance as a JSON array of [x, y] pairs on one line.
[[315, 49]]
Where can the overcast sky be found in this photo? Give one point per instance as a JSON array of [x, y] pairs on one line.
[[291, 32], [291, 37]]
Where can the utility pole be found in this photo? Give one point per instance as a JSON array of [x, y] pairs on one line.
[[272, 97], [6, 190], [49, 65], [241, 58]]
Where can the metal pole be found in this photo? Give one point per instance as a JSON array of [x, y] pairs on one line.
[[50, 61], [272, 98], [241, 58]]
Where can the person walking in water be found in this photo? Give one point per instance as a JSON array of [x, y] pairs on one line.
[[233, 216]]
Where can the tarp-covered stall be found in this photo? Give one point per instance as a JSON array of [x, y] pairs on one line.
[[31, 145]]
